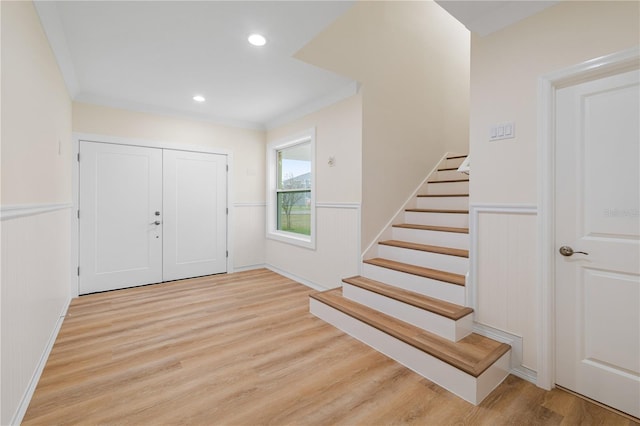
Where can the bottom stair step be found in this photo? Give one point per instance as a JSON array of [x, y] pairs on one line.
[[471, 368]]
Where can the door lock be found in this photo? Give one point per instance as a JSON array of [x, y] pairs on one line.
[[568, 251]]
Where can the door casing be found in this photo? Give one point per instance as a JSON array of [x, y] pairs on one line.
[[547, 85], [75, 180]]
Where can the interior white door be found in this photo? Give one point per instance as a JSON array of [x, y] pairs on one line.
[[597, 212], [195, 214], [120, 191]]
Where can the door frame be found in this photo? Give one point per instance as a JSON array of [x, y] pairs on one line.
[[592, 69], [75, 182]]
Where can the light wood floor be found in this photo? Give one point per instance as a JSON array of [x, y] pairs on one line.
[[242, 349]]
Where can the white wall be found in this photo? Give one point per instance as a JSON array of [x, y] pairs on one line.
[[338, 194], [247, 146], [36, 158], [505, 68], [412, 59]]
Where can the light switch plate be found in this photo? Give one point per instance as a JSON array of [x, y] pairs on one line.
[[505, 130]]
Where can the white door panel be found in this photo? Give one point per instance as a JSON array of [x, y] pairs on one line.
[[195, 218], [597, 211], [120, 190], [149, 215]]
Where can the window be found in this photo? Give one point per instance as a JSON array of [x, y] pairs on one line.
[[291, 203]]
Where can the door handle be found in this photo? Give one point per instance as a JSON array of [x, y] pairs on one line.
[[568, 251], [157, 222]]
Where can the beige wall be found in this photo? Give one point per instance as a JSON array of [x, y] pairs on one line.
[[505, 67], [339, 135], [412, 59], [246, 145], [36, 158], [36, 114]]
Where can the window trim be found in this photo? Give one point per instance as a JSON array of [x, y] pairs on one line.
[[306, 241]]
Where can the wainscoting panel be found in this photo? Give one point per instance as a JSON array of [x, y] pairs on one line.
[[35, 295], [248, 235], [337, 253], [502, 280]]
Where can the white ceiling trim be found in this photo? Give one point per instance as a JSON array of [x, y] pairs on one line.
[[52, 26], [160, 110], [317, 104]]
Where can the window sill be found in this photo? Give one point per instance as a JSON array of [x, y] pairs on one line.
[[293, 239]]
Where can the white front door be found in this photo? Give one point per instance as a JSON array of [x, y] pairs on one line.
[[149, 215], [597, 212], [195, 214], [120, 191]]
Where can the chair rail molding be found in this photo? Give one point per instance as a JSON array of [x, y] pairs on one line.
[[23, 210]]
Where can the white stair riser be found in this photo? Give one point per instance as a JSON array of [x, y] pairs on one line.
[[453, 330], [447, 164], [434, 238], [447, 175], [441, 262], [467, 387], [454, 220], [447, 188], [438, 289], [451, 203]]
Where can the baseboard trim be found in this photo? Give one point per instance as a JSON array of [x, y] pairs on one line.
[[297, 278], [33, 383], [247, 268], [516, 368]]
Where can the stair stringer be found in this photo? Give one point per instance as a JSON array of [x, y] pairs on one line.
[[411, 202]]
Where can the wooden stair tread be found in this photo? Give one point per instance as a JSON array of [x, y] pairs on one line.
[[432, 228], [456, 157], [442, 195], [424, 247], [449, 180], [446, 169], [435, 274], [438, 211], [437, 306], [473, 354]]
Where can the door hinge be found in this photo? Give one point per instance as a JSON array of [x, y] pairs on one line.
[[78, 214], [227, 253], [78, 157], [227, 210], [227, 167], [78, 271]]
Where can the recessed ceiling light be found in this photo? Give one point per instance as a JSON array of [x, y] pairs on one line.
[[257, 40], [198, 98]]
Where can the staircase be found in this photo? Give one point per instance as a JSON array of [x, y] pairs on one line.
[[409, 302]]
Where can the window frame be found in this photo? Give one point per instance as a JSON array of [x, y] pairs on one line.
[[273, 233]]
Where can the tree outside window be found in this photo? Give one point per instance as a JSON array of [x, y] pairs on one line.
[[293, 190]]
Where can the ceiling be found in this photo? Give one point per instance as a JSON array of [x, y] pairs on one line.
[[154, 56], [485, 17]]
